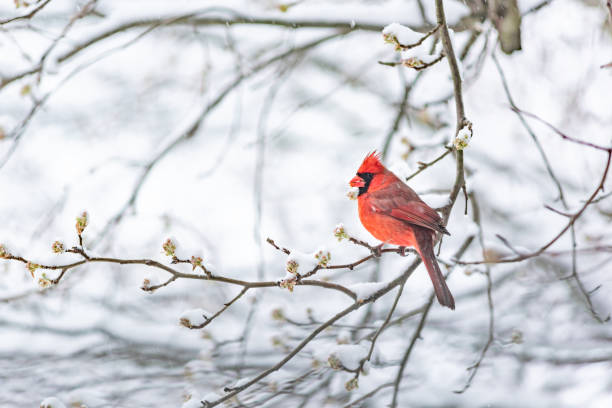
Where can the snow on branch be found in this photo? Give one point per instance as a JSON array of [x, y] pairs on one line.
[[403, 38]]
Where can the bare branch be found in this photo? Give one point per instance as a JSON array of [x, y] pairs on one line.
[[571, 221], [474, 368], [236, 390], [27, 16], [208, 320], [425, 165], [415, 336], [193, 127], [414, 63], [368, 395], [563, 135]]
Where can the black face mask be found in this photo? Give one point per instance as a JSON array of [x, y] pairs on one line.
[[367, 178]]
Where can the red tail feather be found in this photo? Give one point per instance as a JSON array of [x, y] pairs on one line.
[[425, 249]]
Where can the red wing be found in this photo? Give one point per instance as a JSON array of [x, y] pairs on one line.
[[404, 204], [419, 214]]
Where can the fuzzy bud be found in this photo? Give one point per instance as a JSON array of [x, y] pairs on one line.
[[401, 36], [288, 284], [517, 336], [463, 137], [334, 362], [352, 384], [26, 90], [194, 318], [390, 39], [183, 321], [340, 232], [146, 285], [4, 253], [292, 266], [169, 247], [57, 247], [82, 222], [353, 193], [32, 267], [277, 341], [277, 314], [413, 62], [44, 281], [195, 262], [323, 256]]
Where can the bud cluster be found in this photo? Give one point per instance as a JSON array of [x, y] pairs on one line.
[[340, 232], [322, 256], [82, 222], [169, 247], [352, 384], [58, 247], [292, 266], [401, 37], [288, 284], [334, 362], [464, 136], [413, 62], [183, 321], [32, 267], [195, 262]]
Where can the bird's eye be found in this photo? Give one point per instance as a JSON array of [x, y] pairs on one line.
[[367, 177]]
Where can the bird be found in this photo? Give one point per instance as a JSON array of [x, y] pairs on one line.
[[394, 214]]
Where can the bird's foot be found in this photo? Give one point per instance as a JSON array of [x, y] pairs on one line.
[[377, 250], [402, 250]]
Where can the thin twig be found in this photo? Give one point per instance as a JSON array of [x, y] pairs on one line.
[[459, 175], [198, 18], [416, 64], [194, 126], [424, 165], [556, 181], [178, 274], [460, 110], [560, 133], [416, 335], [419, 42], [530, 131], [368, 395], [474, 368], [396, 122], [236, 390], [537, 7], [571, 221], [379, 331], [26, 16], [226, 306]]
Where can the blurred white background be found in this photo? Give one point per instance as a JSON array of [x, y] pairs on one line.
[[220, 124]]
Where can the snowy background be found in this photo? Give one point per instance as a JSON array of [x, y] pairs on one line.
[[288, 98]]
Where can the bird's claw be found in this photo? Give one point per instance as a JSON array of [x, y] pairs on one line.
[[377, 250], [402, 250]]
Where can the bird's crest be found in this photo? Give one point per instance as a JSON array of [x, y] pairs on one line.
[[371, 164]]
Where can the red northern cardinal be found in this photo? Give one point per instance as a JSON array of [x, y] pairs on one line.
[[394, 214]]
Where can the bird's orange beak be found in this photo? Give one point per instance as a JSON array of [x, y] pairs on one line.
[[357, 182]]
